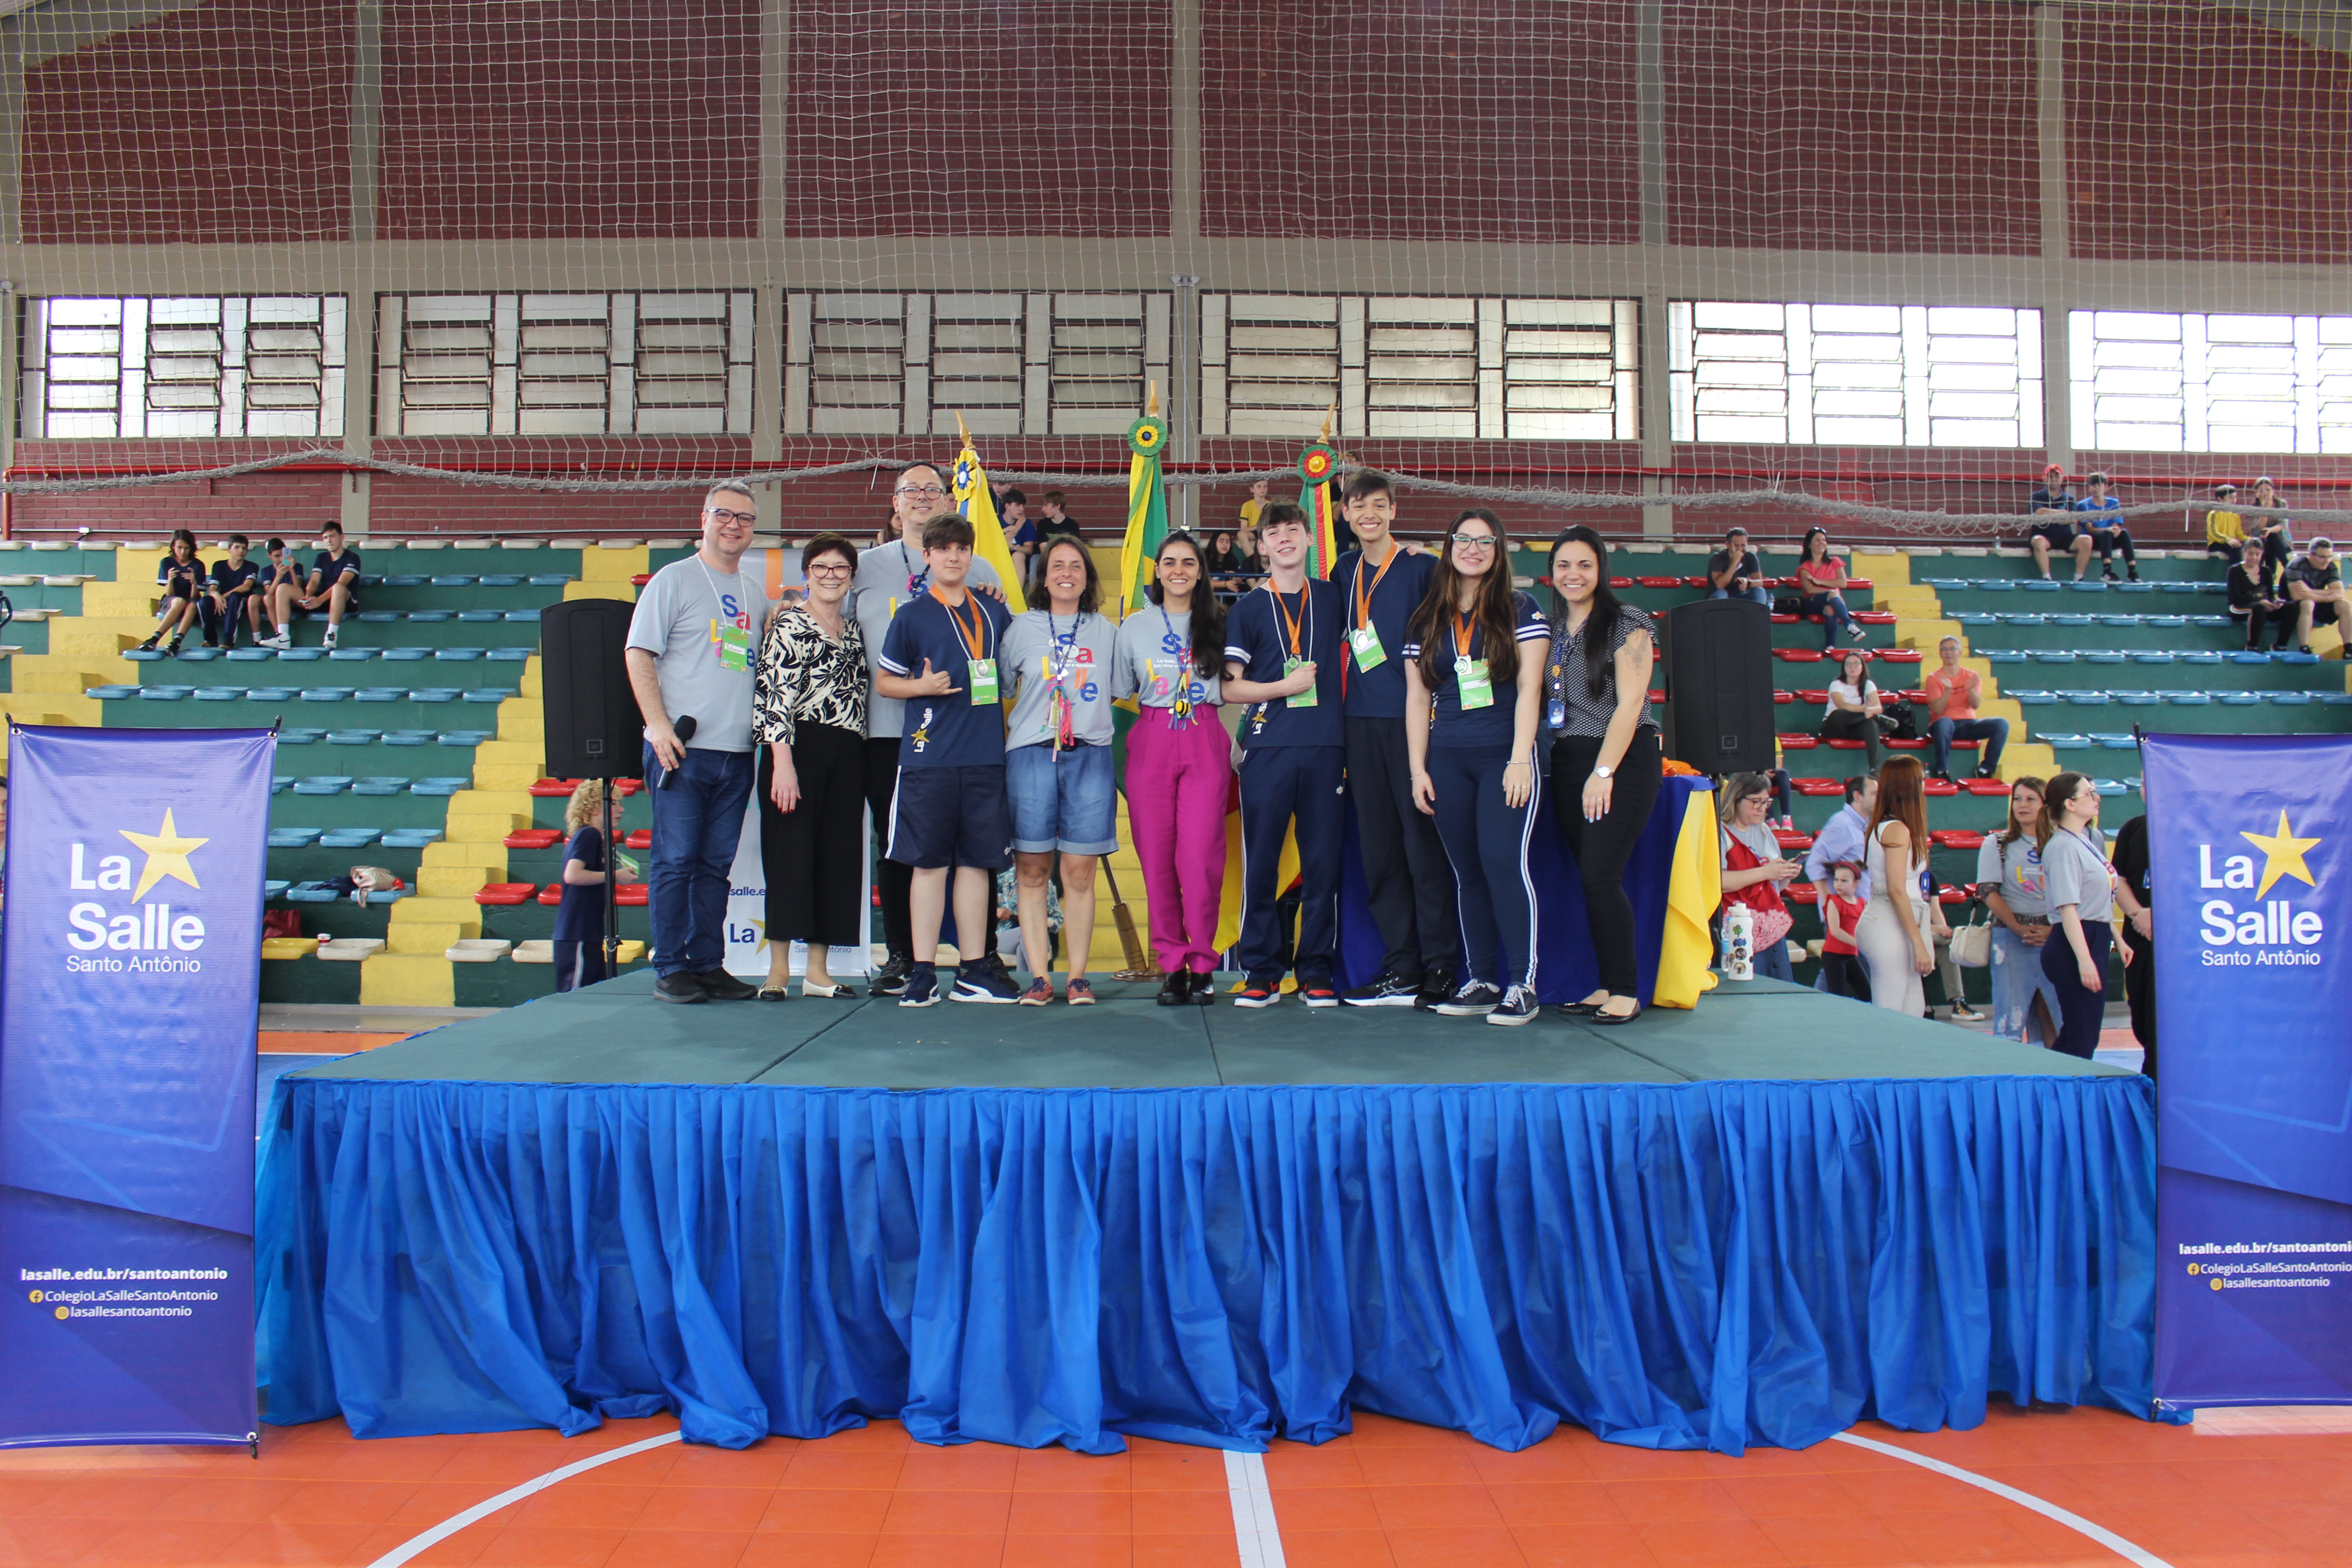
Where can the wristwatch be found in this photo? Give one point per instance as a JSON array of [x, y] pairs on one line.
[[1603, 771]]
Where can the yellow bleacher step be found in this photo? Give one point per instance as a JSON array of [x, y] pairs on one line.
[[33, 673], [1885, 569], [522, 718], [1923, 634], [407, 979], [489, 854], [451, 881], [598, 564], [99, 634]]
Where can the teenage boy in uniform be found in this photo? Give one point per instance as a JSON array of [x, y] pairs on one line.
[[1283, 648], [231, 597], [941, 657], [334, 579], [1409, 884]]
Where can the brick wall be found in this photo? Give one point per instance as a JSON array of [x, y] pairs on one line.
[[291, 505]]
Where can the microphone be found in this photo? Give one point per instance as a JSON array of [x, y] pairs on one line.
[[684, 729]]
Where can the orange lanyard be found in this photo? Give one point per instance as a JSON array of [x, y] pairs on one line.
[[976, 636], [1464, 635], [1289, 623], [1364, 594]]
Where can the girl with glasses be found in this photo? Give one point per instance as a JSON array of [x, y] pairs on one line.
[[1470, 744]]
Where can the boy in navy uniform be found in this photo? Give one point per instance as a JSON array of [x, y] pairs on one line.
[[1283, 649], [941, 657], [333, 584], [1409, 884], [231, 597]]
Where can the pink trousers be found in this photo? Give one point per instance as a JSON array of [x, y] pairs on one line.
[[1179, 780]]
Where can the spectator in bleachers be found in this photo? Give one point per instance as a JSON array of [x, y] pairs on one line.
[[1895, 932], [181, 577], [1253, 507], [1953, 692], [1226, 558], [2008, 875], [1020, 533], [1855, 712], [232, 596], [2316, 585], [332, 587], [1821, 579], [1841, 837], [2277, 533], [1734, 571], [580, 917], [2106, 535], [1754, 870], [1841, 904], [1058, 521], [2225, 528], [2053, 527], [2258, 596], [2080, 887]]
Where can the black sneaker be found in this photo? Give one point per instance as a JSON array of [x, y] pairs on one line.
[[1204, 990], [1472, 999], [721, 986], [173, 647], [1317, 994], [680, 987], [1519, 1005], [1260, 994], [890, 980], [1434, 990], [1387, 989], [148, 645], [2134, 569], [1176, 991], [983, 982], [921, 988]]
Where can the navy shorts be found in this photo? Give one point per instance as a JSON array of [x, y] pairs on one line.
[[951, 816], [1065, 800]]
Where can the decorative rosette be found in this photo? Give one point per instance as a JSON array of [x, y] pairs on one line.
[[1316, 464], [1147, 436]]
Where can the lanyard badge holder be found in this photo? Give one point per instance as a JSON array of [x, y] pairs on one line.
[[980, 673], [1292, 661], [1470, 682]]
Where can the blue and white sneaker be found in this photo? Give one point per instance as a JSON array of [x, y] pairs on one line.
[[922, 987], [983, 982], [1519, 1005], [1472, 999]]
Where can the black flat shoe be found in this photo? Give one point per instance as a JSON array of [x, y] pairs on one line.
[[1176, 990], [1598, 1017], [1204, 990]]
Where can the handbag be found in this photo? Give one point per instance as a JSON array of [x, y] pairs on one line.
[[1972, 943]]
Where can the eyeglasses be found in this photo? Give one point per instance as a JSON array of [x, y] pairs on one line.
[[1473, 541], [720, 514], [922, 492], [829, 569]]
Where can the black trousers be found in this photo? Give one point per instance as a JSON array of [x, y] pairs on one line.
[[2139, 991], [814, 855], [1603, 848], [1409, 882], [2281, 622], [1846, 976], [894, 881], [2105, 541], [1846, 725]]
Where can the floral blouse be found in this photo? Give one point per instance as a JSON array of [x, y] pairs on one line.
[[806, 675]]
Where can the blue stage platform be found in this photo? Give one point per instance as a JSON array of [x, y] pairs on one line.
[[1754, 1224]]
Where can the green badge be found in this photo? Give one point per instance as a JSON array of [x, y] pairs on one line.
[[1470, 681], [982, 673], [1370, 654], [734, 649], [1300, 699]]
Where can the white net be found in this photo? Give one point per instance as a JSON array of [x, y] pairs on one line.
[[1654, 263]]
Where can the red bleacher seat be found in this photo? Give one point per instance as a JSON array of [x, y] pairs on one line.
[[1621, 582], [1792, 840], [1799, 742], [1799, 893], [1659, 581], [1896, 655], [643, 839], [506, 893], [1818, 786], [1956, 895], [1701, 580], [1780, 696], [1956, 838], [535, 838], [552, 894], [1784, 620], [1798, 654], [625, 787], [1813, 697], [1656, 695], [1845, 746], [1939, 786], [1986, 787], [641, 579], [1858, 582], [1907, 746], [1873, 617], [553, 789], [631, 894]]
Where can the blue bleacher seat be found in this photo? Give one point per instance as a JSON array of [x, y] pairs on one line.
[[2125, 623], [434, 694], [2239, 699], [522, 615], [352, 654], [411, 837], [2218, 623], [2202, 656], [166, 693], [2111, 786], [2033, 699], [1975, 617], [2068, 740], [301, 655], [403, 580], [2166, 623], [291, 837], [2072, 620], [500, 579], [509, 654], [381, 784], [2103, 656], [379, 617], [381, 694], [2249, 656], [311, 893], [2189, 698], [2087, 698], [269, 694], [2133, 587], [352, 737], [453, 580], [275, 886], [1995, 584], [488, 694], [550, 579], [441, 786], [2004, 655], [407, 737], [2137, 699], [2040, 584], [303, 736], [457, 655], [198, 655], [220, 693], [406, 654], [467, 737], [2086, 586], [144, 655], [2154, 656], [2297, 657], [2053, 656], [323, 783], [2290, 698], [2026, 618], [280, 782], [326, 693], [432, 616], [349, 837], [251, 655], [2118, 742], [2177, 587], [481, 615]]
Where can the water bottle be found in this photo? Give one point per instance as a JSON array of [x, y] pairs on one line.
[[1739, 942]]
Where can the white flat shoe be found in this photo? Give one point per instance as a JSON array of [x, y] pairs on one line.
[[828, 993]]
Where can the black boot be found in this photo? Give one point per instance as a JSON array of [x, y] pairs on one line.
[[1205, 989], [890, 980], [1176, 990]]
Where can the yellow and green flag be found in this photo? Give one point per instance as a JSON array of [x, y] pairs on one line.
[[1147, 506], [977, 505], [1316, 465]]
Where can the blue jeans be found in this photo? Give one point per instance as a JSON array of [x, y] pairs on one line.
[[1994, 733], [1774, 965], [1835, 616], [1754, 591], [698, 823]]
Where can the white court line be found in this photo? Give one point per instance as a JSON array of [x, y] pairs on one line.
[[1255, 1534], [2139, 1555], [480, 1511]]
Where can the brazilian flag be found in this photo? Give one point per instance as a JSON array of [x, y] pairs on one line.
[[1147, 506]]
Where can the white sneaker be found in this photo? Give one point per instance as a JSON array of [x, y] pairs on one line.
[[280, 642], [330, 637]]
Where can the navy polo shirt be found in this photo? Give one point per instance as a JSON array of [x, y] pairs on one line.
[[228, 579], [1379, 694], [949, 732], [1258, 638], [331, 568], [1493, 725]]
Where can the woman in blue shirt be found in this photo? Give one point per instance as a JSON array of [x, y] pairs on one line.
[[1470, 740]]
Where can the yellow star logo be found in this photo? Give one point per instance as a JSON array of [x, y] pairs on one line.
[[167, 856], [2284, 852]]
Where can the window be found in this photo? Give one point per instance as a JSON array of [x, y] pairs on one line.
[[123, 369], [2159, 382], [1417, 367], [563, 364], [1011, 364], [1854, 375]]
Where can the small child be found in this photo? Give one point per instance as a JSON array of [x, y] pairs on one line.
[[580, 917], [1840, 913]]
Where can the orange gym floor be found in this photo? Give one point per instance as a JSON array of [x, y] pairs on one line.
[[2242, 1490]]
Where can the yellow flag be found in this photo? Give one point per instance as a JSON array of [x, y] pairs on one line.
[[977, 504]]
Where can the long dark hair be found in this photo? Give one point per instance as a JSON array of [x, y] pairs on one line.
[[1601, 626], [1089, 596], [1208, 610], [1902, 798], [1805, 550], [2010, 832], [1494, 609], [182, 536]]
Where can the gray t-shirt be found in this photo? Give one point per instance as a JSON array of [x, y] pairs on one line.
[[888, 576], [1146, 668], [1758, 839], [1041, 649], [676, 620], [2016, 871], [2076, 873]]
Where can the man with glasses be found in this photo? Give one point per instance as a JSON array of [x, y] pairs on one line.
[[692, 643], [889, 577]]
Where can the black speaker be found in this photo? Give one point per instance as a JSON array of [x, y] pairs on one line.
[[593, 728], [1718, 667]]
